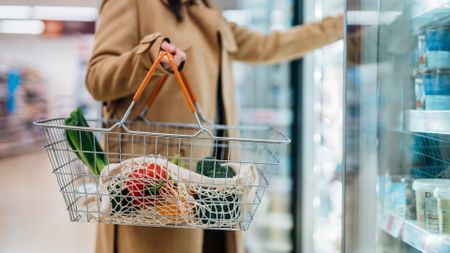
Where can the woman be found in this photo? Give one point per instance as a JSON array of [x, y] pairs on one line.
[[130, 36]]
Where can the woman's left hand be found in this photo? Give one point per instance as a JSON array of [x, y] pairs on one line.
[[179, 56]]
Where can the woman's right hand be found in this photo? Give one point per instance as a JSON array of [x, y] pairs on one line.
[[179, 56]]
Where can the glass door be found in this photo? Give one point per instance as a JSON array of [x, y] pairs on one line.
[[263, 94], [397, 126]]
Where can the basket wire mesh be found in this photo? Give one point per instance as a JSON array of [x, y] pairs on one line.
[[165, 174]]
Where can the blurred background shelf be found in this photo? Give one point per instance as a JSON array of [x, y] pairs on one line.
[[268, 116], [425, 12], [410, 233], [437, 122]]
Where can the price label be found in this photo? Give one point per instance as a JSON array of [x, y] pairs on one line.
[[391, 223], [414, 236]]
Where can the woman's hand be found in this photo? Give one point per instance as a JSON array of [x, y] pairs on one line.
[[178, 55]]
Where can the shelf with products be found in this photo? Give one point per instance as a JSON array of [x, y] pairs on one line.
[[409, 232], [437, 122], [22, 101], [425, 12]]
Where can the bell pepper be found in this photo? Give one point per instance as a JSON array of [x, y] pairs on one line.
[[145, 184]]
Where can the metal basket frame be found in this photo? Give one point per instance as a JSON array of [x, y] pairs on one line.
[[189, 199]]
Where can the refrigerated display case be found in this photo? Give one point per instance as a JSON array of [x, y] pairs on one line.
[[397, 126]]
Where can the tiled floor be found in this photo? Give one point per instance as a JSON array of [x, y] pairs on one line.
[[32, 212]]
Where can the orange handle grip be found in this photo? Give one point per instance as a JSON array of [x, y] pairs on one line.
[[187, 91], [147, 77], [151, 98], [181, 83], [156, 90], [189, 87]]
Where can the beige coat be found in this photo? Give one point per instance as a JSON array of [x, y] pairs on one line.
[[128, 39]]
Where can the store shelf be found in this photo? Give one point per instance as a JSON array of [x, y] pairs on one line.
[[410, 233], [437, 122], [425, 12]]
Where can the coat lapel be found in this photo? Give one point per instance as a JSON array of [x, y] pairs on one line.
[[207, 19]]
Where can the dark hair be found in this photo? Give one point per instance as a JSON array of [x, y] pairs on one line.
[[175, 7]]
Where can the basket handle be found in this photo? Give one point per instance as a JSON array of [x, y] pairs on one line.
[[152, 97], [186, 89]]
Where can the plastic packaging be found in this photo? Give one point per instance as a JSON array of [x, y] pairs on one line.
[[426, 203], [436, 84], [443, 200], [437, 40], [394, 196], [422, 51], [419, 91], [410, 204]]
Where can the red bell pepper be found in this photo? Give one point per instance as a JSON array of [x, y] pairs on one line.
[[145, 184]]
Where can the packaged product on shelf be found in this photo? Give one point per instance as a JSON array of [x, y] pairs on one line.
[[419, 91], [426, 203], [394, 196], [443, 198], [422, 51], [437, 89], [438, 46], [410, 198]]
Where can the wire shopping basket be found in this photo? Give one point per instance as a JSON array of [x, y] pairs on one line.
[[162, 174]]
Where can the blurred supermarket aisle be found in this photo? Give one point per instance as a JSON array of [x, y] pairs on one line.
[[32, 212]]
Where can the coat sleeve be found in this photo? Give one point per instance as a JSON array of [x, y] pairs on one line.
[[280, 46], [120, 59]]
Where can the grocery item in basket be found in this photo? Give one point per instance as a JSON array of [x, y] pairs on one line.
[[178, 160], [84, 143], [210, 167], [443, 197], [216, 207], [162, 193], [143, 189], [426, 203], [121, 198]]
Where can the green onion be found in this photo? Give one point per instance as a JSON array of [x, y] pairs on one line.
[[85, 144]]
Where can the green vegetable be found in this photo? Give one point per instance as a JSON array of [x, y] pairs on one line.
[[85, 144], [216, 209], [211, 168], [213, 208], [177, 160], [121, 200]]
